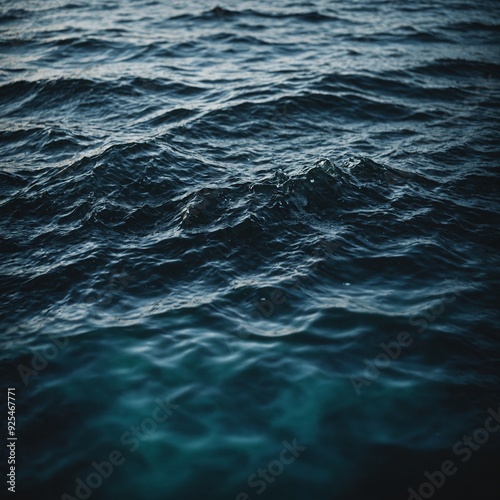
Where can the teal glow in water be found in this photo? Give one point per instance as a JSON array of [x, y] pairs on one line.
[[226, 228]]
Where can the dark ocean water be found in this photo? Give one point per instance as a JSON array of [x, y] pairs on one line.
[[229, 226]]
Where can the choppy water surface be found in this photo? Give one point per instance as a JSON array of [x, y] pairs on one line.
[[226, 226]]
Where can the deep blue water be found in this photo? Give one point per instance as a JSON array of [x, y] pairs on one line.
[[249, 250]]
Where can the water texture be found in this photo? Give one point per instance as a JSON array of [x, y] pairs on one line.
[[250, 249]]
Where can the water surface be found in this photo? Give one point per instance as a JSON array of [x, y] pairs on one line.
[[234, 208]]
